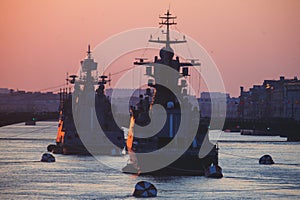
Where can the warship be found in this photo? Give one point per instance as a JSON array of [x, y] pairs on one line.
[[69, 139], [167, 88]]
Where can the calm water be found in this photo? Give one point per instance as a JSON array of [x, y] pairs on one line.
[[84, 177]]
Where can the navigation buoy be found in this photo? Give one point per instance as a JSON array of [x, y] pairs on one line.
[[266, 160], [47, 157], [144, 189]]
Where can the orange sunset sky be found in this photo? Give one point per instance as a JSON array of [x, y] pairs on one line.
[[249, 40]]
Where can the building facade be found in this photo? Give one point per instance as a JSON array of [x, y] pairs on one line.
[[273, 99], [224, 104]]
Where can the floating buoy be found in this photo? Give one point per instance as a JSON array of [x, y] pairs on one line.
[[51, 147], [145, 189], [266, 160], [47, 157]]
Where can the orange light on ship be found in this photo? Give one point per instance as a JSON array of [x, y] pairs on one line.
[[60, 133], [129, 141]]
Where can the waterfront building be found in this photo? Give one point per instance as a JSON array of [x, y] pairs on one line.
[[206, 104], [273, 99]]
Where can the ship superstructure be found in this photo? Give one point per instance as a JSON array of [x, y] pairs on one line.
[[77, 125]]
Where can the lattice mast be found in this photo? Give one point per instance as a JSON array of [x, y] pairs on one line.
[[168, 20]]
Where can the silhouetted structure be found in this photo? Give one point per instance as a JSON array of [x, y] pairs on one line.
[[272, 107]]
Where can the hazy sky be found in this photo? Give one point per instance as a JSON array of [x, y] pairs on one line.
[[249, 40]]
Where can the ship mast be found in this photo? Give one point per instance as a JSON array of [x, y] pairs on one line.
[[155, 69], [89, 52], [168, 20]]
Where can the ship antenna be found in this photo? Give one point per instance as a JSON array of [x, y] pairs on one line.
[[166, 20], [89, 51], [67, 82], [167, 23], [109, 79], [168, 30]]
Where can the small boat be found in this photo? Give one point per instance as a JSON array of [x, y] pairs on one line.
[[31, 122]]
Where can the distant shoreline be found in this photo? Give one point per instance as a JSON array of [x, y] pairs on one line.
[[10, 118]]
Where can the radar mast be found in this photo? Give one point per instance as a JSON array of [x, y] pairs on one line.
[[168, 20]]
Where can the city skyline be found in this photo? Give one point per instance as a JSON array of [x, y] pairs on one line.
[[250, 41]]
